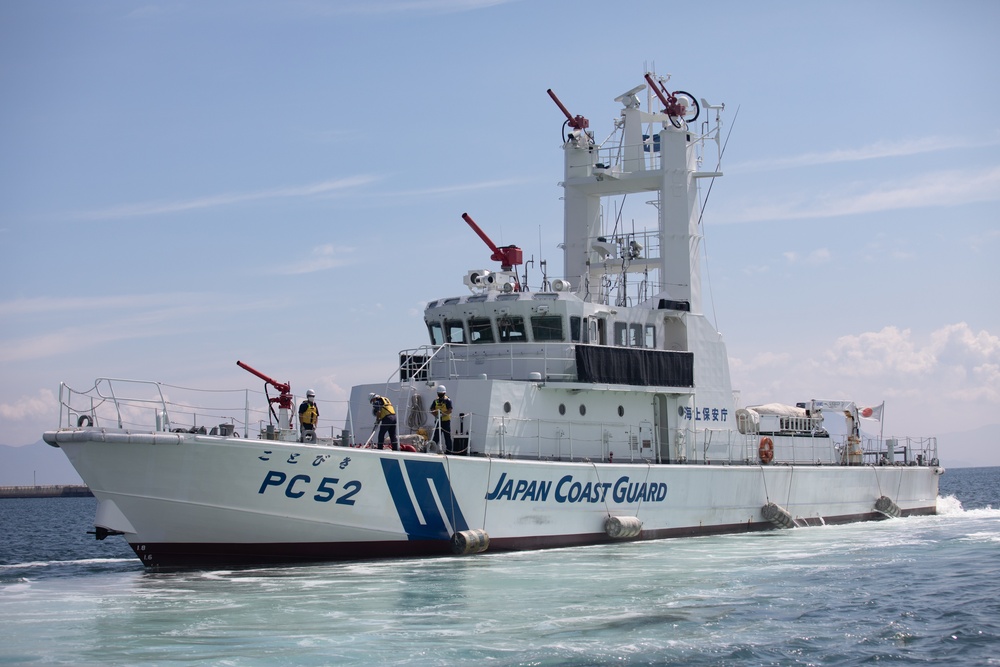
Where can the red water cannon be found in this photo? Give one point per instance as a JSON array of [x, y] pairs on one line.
[[284, 397], [509, 256], [575, 122], [678, 104]]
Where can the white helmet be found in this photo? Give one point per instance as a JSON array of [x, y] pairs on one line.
[[371, 396], [310, 394], [441, 389]]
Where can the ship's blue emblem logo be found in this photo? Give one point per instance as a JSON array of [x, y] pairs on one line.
[[427, 507]]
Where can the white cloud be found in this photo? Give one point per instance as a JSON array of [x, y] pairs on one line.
[[890, 351], [141, 209], [468, 187], [82, 337], [29, 407], [879, 149], [324, 189], [814, 258], [943, 188], [321, 258], [40, 305], [143, 316], [957, 345], [761, 360], [981, 242], [948, 380], [756, 269]]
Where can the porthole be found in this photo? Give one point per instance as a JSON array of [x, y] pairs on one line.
[[680, 411], [583, 409], [562, 409], [506, 407], [621, 411]]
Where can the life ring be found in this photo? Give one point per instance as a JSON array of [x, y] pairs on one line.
[[766, 450], [84, 418]]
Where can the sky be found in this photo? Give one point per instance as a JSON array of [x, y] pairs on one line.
[[188, 184]]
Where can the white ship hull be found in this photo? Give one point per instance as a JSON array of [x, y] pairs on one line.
[[192, 500]]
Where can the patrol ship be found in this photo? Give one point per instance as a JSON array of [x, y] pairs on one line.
[[596, 408]]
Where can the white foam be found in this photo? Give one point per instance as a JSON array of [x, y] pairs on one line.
[[982, 536], [57, 563], [952, 506], [949, 505]]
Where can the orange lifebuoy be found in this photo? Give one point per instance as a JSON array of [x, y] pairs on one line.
[[766, 450]]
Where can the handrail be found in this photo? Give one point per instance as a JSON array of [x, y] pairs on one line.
[[545, 439], [127, 404], [459, 357], [112, 397]]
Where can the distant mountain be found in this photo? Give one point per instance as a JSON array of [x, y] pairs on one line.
[[978, 448], [35, 464]]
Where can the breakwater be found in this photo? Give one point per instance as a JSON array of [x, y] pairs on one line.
[[49, 491]]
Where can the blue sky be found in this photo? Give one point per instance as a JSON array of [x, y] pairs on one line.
[[185, 184]]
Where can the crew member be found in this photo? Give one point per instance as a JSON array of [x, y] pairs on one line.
[[441, 409], [308, 415], [385, 419]]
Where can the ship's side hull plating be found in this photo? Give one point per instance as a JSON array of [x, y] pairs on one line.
[[203, 500]]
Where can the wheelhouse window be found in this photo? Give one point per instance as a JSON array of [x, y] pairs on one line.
[[634, 335], [621, 334], [454, 331], [628, 335], [511, 329], [547, 328], [650, 337], [436, 332], [598, 331], [480, 330], [576, 330]]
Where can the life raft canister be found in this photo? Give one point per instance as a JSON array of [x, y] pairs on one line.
[[766, 450]]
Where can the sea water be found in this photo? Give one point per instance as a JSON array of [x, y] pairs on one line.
[[917, 590]]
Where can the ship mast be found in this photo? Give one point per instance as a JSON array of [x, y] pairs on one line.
[[664, 160]]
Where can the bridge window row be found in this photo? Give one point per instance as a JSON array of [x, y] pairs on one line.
[[539, 329]]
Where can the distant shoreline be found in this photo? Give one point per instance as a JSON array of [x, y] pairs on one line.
[[50, 491]]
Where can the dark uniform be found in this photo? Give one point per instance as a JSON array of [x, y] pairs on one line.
[[385, 419]]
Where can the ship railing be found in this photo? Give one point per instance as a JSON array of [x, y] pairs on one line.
[[618, 157], [415, 363], [731, 446], [714, 445], [614, 156], [907, 451], [145, 405], [544, 439], [812, 447], [515, 361], [101, 406], [559, 440]]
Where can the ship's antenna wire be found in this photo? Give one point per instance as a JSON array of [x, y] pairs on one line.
[[718, 164], [701, 214]]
